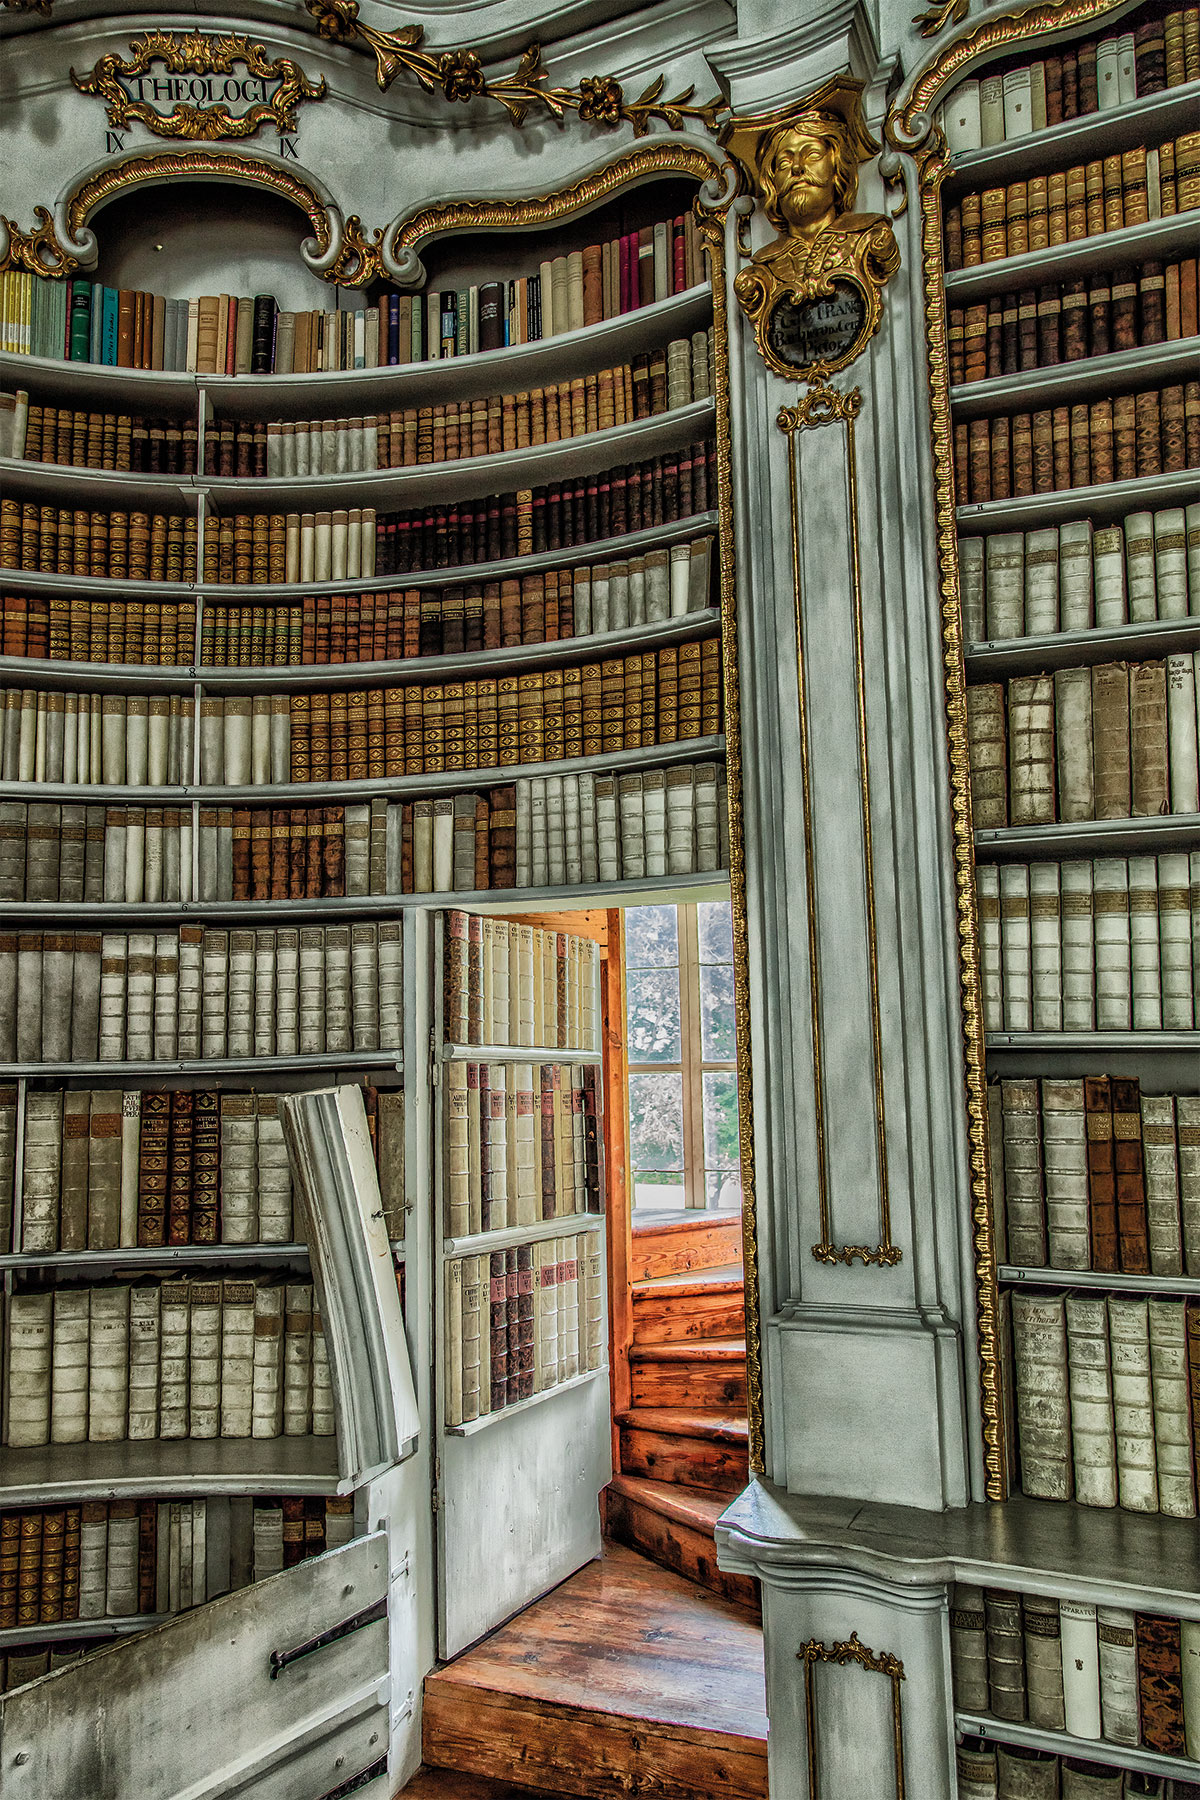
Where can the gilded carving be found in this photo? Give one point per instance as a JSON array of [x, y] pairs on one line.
[[195, 54], [813, 293], [460, 75], [37, 251], [851, 1650]]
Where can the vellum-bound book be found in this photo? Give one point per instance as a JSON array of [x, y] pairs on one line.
[[1172, 1411], [1118, 1675], [1026, 1774], [1043, 1662], [1133, 1404], [1064, 1151], [1043, 1409], [968, 1649], [1092, 1433]]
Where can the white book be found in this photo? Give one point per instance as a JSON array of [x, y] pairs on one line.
[[42, 1171], [364, 986], [391, 1029], [1045, 933], [174, 1329], [1017, 951], [108, 1364], [1108, 576], [267, 1370], [311, 990], [1126, 69], [297, 1360], [987, 900], [524, 842], [1145, 973], [204, 1360], [1175, 933], [1160, 1158], [336, 1012], [1192, 556], [1133, 1402], [323, 1423], [144, 1353], [960, 117], [654, 810], [991, 110], [1076, 880], [608, 846], [93, 1559], [1081, 1668], [1005, 584], [1118, 1674], [263, 1019], [1183, 762], [1064, 1159], [1018, 103], [237, 1357], [274, 1176], [121, 1562], [971, 589], [1092, 1432], [287, 991], [1075, 575], [1041, 582], [1111, 906], [1139, 566], [67, 1388], [1108, 73], [1172, 1410]]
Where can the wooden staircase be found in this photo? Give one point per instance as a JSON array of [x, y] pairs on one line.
[[682, 1441]]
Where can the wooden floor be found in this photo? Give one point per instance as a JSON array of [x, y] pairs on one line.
[[448, 1784], [626, 1679]]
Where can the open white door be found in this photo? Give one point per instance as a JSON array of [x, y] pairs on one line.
[[517, 1485], [278, 1691]]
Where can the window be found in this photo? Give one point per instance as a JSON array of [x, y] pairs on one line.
[[683, 1104]]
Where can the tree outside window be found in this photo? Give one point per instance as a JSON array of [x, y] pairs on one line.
[[683, 1105]]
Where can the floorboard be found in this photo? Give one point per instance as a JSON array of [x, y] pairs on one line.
[[626, 1678]]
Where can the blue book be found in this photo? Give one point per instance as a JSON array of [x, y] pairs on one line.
[[109, 339], [97, 338]]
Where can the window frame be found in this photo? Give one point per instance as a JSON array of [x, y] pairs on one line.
[[693, 1066]]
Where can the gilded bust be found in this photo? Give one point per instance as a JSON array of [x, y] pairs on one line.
[[805, 167]]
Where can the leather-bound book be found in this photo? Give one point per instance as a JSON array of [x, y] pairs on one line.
[[1075, 303], [1149, 432], [1149, 58], [1102, 1185], [1043, 452], [1130, 1177], [1022, 454], [1151, 303], [1160, 1684], [1049, 325], [999, 458]]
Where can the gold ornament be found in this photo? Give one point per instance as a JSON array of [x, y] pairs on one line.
[[196, 54], [813, 293], [598, 100], [39, 250]]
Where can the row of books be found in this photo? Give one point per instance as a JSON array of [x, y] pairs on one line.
[[199, 1358], [281, 548], [93, 440], [545, 607], [506, 982], [114, 1559], [110, 1169], [543, 830], [1093, 1671], [145, 996], [1106, 1409], [521, 1321], [1094, 1174], [1073, 576], [652, 384], [121, 546], [1154, 432], [84, 321], [1067, 321], [521, 1143], [1093, 75], [991, 1771], [1104, 945], [1111, 193], [1115, 741], [94, 739]]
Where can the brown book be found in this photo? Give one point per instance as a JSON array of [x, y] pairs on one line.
[[1124, 328], [206, 1165], [1132, 1225], [154, 1143], [1075, 302], [1160, 1683], [179, 1182], [1101, 1167]]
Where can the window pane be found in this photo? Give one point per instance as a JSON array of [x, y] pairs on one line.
[[723, 1190], [714, 919], [717, 1037], [656, 1125], [655, 1192], [720, 1121], [651, 937], [652, 1009]]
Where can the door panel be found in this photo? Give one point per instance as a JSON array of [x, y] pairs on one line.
[[189, 1710]]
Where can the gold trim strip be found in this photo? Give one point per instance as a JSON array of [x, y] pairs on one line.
[[851, 1650], [823, 405], [932, 169], [176, 165], [590, 190]]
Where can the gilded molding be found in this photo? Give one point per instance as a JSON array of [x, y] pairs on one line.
[[196, 53], [360, 259], [936, 18], [823, 405], [909, 121], [932, 168], [813, 294], [37, 251], [851, 1650], [459, 74]]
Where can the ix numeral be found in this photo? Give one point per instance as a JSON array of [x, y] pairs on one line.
[[287, 147], [113, 140]]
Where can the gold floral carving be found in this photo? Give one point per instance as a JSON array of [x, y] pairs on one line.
[[360, 259], [460, 75], [39, 250], [847, 1651], [803, 163], [936, 18], [196, 53]]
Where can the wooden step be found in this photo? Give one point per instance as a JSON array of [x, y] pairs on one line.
[[695, 1450], [674, 1526], [452, 1784], [674, 1245], [706, 1304], [699, 1374], [624, 1680]]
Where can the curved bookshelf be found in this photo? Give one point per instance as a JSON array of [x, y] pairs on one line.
[[209, 1067], [219, 678], [1097, 837], [1088, 377], [76, 1630], [1099, 1278], [1094, 1750], [250, 397], [167, 1468], [1160, 238], [394, 787], [466, 477], [105, 587], [158, 1256], [638, 890], [1076, 140], [1109, 500], [1001, 657]]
